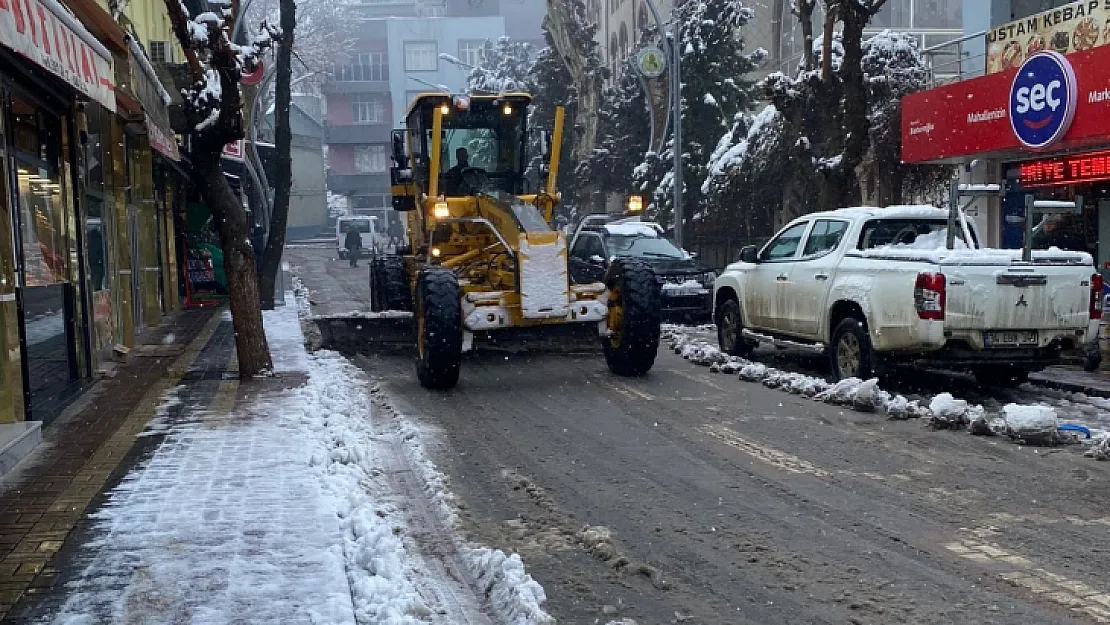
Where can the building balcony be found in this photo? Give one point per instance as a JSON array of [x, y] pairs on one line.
[[358, 133], [350, 87], [353, 184]]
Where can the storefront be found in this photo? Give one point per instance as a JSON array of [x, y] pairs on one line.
[[47, 66], [1039, 128]]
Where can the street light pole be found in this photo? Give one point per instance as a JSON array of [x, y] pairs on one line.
[[675, 115]]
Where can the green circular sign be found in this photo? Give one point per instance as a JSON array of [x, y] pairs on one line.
[[651, 62]]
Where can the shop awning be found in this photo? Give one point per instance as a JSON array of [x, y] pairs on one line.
[[46, 34], [155, 100]]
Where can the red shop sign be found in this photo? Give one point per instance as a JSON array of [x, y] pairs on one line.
[[1049, 172], [972, 117]]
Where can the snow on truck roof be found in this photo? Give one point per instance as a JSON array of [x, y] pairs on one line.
[[922, 211], [633, 229]]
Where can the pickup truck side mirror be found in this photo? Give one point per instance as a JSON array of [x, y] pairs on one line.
[[749, 254]]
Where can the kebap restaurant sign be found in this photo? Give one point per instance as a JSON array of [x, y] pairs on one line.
[[48, 36], [1074, 27]]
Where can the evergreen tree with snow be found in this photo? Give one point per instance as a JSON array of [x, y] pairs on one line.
[[503, 66], [894, 67], [715, 94]]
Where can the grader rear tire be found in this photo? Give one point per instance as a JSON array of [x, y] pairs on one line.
[[389, 287], [634, 318], [439, 329]]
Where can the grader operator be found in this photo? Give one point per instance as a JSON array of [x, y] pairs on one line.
[[483, 258]]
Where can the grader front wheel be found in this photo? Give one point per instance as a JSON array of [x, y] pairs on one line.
[[633, 320], [439, 330]]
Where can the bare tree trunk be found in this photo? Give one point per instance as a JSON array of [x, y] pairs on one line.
[[283, 143], [242, 277], [803, 10], [842, 186], [826, 43]]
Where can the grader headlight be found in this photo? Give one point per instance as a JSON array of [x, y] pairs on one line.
[[441, 210]]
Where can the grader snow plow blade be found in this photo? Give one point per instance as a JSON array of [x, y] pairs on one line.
[[395, 333], [369, 333]]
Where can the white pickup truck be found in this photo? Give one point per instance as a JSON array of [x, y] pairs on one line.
[[873, 287]]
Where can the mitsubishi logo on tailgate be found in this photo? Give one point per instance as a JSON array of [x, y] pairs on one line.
[[1021, 301]]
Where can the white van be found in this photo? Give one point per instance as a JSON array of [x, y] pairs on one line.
[[366, 226]]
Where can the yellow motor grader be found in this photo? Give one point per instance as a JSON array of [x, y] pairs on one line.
[[482, 257]]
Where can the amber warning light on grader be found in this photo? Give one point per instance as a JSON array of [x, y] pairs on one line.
[[635, 203]]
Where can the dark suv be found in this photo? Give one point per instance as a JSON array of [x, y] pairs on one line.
[[687, 286]]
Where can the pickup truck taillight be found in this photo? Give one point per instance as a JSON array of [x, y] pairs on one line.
[[928, 296], [1096, 296]]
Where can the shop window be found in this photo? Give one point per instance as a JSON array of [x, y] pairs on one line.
[[42, 217]]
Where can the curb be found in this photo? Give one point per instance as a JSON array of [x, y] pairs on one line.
[[1071, 387]]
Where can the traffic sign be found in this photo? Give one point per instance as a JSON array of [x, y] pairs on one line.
[[651, 62]]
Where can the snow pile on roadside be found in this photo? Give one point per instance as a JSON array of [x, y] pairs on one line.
[[862, 395], [514, 597], [1100, 448], [335, 412]]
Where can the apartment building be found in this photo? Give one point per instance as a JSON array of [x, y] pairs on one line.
[[402, 49]]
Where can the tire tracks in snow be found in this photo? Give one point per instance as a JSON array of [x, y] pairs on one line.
[[430, 540]]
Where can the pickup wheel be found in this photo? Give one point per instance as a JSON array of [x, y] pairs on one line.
[[850, 354], [1001, 376], [730, 330]]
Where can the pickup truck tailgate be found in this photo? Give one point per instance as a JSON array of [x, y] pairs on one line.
[[993, 297]]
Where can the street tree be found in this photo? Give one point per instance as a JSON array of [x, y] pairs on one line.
[[553, 86], [893, 67], [283, 155], [503, 66], [213, 111], [714, 93], [571, 38]]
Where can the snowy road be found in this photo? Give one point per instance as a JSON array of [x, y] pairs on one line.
[[690, 497]]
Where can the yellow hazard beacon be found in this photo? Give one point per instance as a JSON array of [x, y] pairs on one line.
[[483, 259]]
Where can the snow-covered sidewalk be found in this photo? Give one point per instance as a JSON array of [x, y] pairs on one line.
[[273, 506]]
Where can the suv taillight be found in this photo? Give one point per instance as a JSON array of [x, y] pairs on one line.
[[928, 296], [1096, 296]]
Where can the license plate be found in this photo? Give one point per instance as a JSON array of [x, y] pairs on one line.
[[685, 291], [1011, 338]]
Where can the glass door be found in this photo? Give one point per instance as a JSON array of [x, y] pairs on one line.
[[46, 294]]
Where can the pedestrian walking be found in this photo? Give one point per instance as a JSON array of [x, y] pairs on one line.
[[353, 243]]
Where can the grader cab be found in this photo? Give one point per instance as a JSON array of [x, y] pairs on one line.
[[483, 258]]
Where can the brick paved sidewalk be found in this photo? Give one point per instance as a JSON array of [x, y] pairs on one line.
[[45, 499]]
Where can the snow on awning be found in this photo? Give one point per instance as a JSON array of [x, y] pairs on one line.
[[49, 36]]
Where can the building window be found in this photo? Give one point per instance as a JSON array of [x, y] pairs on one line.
[[370, 159], [367, 110], [938, 14], [421, 56], [161, 52], [894, 14], [470, 51], [364, 66]]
